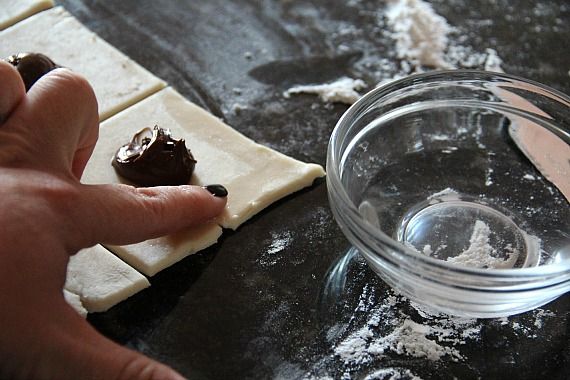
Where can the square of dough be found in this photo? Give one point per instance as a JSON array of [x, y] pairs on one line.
[[13, 11], [117, 80], [101, 279], [152, 256], [254, 175]]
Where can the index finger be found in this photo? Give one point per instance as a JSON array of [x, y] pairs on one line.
[[122, 214]]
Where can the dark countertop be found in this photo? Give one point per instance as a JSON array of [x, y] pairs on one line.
[[259, 303]]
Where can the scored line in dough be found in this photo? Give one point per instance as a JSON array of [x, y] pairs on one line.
[[117, 80]]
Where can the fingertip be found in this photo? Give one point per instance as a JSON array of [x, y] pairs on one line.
[[138, 366], [205, 202], [217, 190], [215, 198], [183, 205], [163, 372], [13, 90]]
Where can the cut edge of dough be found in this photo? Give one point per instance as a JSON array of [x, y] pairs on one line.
[[74, 300], [117, 109], [97, 305], [98, 302], [152, 267], [311, 173], [38, 7]]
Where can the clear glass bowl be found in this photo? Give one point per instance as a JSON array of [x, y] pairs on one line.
[[428, 182]]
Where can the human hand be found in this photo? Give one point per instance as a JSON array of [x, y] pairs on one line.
[[46, 137]]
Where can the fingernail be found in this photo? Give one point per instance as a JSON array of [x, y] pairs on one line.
[[217, 190]]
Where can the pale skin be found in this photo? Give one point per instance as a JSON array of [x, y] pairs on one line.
[[46, 215]]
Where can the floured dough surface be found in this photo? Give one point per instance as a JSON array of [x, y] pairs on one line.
[[117, 80], [254, 175], [100, 279], [12, 11], [152, 256]]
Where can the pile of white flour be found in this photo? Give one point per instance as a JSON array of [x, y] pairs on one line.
[[434, 337], [421, 42], [480, 254], [419, 32]]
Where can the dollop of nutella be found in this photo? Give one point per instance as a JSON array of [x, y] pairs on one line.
[[154, 158], [31, 66]]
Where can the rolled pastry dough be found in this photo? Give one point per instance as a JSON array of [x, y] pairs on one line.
[[152, 256], [12, 11], [101, 279], [254, 175], [118, 81]]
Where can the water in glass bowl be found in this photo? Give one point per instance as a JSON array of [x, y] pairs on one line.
[[447, 180]]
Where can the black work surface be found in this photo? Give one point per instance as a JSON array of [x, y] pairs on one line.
[[255, 305]]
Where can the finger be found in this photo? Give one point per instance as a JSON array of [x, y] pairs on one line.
[[83, 153], [13, 90], [121, 214], [72, 92], [57, 118]]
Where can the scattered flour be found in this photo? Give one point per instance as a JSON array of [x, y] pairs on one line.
[[480, 254], [392, 374], [540, 315], [279, 242], [411, 338], [420, 33], [343, 90], [493, 61], [447, 194], [388, 333], [422, 40], [408, 337], [488, 177]]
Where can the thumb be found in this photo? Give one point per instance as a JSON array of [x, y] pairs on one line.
[[84, 353], [125, 364], [59, 344], [105, 359], [122, 214]]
